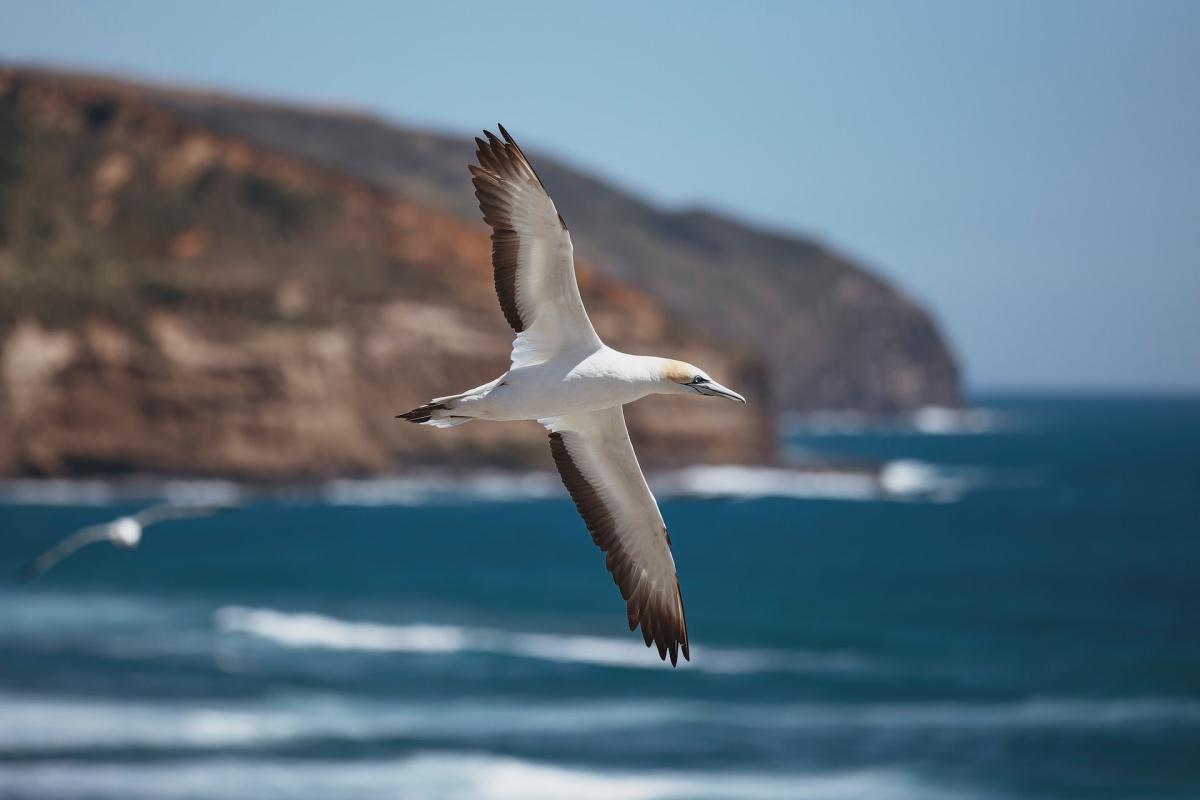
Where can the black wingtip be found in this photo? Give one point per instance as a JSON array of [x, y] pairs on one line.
[[505, 134], [422, 413]]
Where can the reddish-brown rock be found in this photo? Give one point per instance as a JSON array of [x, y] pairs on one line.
[[180, 301]]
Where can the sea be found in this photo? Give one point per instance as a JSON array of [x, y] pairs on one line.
[[996, 603]]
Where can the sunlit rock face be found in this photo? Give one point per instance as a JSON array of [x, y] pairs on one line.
[[179, 299], [835, 336]]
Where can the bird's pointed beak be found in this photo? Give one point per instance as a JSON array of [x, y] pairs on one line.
[[715, 389]]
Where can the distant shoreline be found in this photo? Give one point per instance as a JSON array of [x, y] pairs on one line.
[[892, 480]]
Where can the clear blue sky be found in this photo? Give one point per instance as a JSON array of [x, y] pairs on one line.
[[1029, 170]]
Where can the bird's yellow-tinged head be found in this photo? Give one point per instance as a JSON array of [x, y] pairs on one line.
[[681, 377]]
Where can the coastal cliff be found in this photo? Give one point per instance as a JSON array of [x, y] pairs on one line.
[[835, 336], [179, 301], [194, 284]]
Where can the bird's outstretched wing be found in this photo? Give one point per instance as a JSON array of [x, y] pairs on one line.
[[166, 511], [599, 468], [78, 539], [532, 257]]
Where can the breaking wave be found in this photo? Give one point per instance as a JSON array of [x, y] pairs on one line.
[[308, 630], [929, 421], [447, 776], [909, 480], [87, 492], [757, 482], [940, 421], [42, 724], [435, 486], [904, 479], [896, 480]]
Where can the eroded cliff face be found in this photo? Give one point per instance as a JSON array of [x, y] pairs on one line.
[[834, 335], [177, 300]]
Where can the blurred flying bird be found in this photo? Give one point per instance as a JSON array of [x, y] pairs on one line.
[[122, 532], [564, 377]]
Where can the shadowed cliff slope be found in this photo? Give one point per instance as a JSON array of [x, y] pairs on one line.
[[836, 336], [185, 300]]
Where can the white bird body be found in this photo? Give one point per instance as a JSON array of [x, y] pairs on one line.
[[125, 532], [566, 378], [568, 383]]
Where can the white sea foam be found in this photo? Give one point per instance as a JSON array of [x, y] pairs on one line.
[[910, 479], [58, 492], [938, 420], [758, 482], [449, 776], [898, 480], [437, 486], [307, 630], [928, 420], [905, 479], [46, 723], [702, 481], [49, 724], [90, 492]]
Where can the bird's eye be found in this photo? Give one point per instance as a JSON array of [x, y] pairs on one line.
[[699, 379]]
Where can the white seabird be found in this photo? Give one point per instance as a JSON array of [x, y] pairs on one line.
[[564, 377], [122, 532]]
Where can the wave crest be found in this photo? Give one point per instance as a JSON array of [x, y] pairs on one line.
[[46, 724], [449, 776], [308, 630], [925, 421]]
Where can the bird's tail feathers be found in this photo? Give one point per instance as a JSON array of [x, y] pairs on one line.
[[436, 414]]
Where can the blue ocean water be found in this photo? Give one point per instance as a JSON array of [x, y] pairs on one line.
[[1006, 606]]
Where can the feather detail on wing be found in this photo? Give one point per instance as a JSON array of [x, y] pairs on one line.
[[532, 257], [599, 468]]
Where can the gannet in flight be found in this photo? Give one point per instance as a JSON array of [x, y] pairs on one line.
[[123, 532], [564, 377]]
